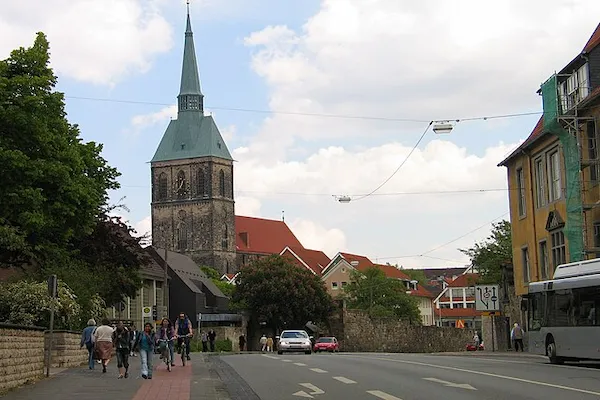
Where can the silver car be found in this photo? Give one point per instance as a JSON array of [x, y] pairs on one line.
[[294, 341]]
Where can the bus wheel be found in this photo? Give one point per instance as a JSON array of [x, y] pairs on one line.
[[551, 352]]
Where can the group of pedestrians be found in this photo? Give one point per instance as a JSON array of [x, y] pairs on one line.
[[101, 340]]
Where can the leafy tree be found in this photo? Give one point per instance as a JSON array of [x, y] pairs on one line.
[[226, 288], [371, 290], [489, 255], [282, 294]]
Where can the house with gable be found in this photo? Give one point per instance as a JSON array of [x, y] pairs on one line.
[[313, 260], [455, 305]]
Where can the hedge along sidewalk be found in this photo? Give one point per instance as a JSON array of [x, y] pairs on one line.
[[223, 345]]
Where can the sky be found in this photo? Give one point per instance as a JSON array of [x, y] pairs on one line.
[[319, 99]]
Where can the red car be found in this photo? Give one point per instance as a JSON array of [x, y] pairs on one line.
[[329, 344]]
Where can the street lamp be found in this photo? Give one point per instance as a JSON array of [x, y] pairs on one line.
[[345, 199], [442, 127]]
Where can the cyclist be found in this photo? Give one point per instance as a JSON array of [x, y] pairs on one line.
[[183, 328], [166, 332]]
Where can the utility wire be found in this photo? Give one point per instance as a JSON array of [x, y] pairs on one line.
[[399, 166], [341, 116]]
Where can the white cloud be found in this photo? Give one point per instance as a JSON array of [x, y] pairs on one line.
[[92, 41], [143, 121], [144, 227], [314, 236], [247, 206]]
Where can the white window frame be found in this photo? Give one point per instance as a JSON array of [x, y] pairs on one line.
[[554, 176]]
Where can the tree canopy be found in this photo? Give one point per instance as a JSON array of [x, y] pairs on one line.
[[416, 274], [54, 212], [282, 294], [371, 290], [491, 254]]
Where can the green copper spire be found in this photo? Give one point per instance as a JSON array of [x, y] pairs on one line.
[[192, 134]]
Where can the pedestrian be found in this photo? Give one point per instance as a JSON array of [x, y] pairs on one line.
[[204, 338], [242, 342], [476, 340], [144, 345], [133, 334], [516, 334], [122, 344], [104, 343], [167, 333], [87, 340], [270, 343], [184, 332], [263, 342], [212, 335]]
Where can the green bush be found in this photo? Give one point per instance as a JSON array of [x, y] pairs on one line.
[[220, 345]]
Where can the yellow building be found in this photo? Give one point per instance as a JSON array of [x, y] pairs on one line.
[[554, 176]]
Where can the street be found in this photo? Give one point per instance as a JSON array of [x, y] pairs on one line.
[[412, 377]]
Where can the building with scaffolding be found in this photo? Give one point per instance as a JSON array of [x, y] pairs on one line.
[[554, 176]]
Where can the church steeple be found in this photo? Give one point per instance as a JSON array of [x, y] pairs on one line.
[[190, 96]]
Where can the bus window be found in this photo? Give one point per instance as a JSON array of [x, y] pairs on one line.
[[561, 310], [586, 300], [536, 311]]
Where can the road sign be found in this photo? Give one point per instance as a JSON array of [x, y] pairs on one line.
[[146, 311], [199, 317], [460, 323], [486, 298], [491, 313]]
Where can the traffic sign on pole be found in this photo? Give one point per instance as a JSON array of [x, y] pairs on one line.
[[486, 298]]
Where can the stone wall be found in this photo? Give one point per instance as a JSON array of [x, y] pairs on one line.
[[361, 333], [65, 349], [21, 355], [229, 332]]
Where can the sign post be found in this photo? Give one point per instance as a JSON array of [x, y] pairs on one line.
[[53, 293], [486, 300]]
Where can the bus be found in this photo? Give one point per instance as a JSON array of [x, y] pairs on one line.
[[563, 324]]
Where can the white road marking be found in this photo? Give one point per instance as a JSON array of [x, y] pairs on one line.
[[271, 357], [383, 395], [343, 380], [302, 393], [310, 386], [286, 360], [450, 384], [319, 370], [510, 378], [300, 364]]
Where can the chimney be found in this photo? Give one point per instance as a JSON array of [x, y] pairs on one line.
[[245, 236]]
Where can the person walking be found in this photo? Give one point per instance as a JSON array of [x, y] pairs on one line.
[[144, 345], [263, 342], [133, 332], [204, 337], [103, 339], [242, 342], [212, 335], [516, 334], [122, 344], [476, 340], [87, 340]]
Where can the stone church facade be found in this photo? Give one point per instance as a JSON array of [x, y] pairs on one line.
[[193, 209]]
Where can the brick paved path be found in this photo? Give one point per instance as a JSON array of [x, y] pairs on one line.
[[195, 380]]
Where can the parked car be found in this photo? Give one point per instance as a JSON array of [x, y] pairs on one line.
[[327, 343], [294, 341]]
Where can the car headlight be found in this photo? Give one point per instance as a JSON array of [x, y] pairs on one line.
[[283, 343]]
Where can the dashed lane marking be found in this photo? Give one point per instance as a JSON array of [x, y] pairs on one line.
[[300, 364], [343, 380], [383, 395], [271, 357], [286, 360], [318, 370]]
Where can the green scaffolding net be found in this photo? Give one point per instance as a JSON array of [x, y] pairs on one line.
[[574, 219]]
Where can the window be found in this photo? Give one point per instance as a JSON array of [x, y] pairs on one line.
[[554, 176], [201, 183], [521, 191], [544, 260], [536, 311], [592, 141], [344, 284], [334, 285], [162, 187], [575, 88], [222, 183], [225, 241], [525, 261], [540, 183], [559, 249], [181, 236], [181, 185], [597, 237]]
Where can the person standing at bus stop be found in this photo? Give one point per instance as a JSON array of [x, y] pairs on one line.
[[516, 334]]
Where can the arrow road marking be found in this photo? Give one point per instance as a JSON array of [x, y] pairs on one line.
[[300, 364], [450, 384], [319, 370], [343, 380], [302, 393], [383, 395], [310, 386]]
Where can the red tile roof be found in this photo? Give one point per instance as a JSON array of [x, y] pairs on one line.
[[457, 312], [315, 260], [422, 292], [465, 280], [263, 236], [392, 272], [363, 262], [593, 41]]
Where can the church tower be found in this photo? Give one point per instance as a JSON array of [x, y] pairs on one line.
[[192, 179]]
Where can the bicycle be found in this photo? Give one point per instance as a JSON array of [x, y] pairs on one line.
[[165, 351], [183, 347]]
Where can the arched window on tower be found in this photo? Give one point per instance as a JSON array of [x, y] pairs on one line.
[[181, 232], [201, 183], [180, 187], [162, 187], [225, 241], [222, 183]]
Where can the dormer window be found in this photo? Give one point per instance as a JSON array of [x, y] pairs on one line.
[[574, 88]]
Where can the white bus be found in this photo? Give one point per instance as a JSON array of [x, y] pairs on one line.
[[563, 323]]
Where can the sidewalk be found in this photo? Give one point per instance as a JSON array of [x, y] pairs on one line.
[[182, 383], [489, 353]]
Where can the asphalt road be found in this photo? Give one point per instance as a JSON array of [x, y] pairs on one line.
[[412, 377]]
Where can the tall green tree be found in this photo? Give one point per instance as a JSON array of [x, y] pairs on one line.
[[372, 291], [491, 254], [282, 294]]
